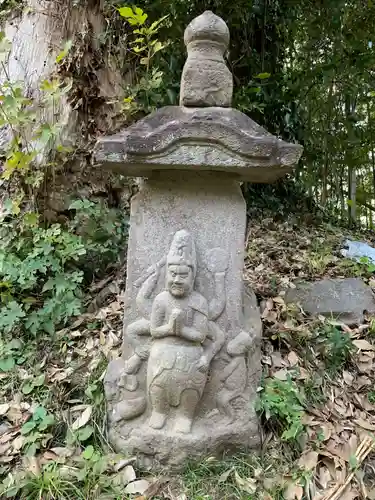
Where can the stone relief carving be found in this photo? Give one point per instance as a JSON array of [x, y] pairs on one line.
[[234, 375], [176, 335]]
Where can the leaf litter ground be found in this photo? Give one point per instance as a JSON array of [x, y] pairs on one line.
[[52, 411]]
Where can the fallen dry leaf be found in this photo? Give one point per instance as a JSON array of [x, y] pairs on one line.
[[4, 408], [224, 476], [62, 451], [324, 476], [122, 463], [348, 377], [32, 465], [293, 492], [128, 473], [308, 460], [139, 486], [363, 345], [246, 484], [18, 443], [83, 419], [293, 358], [365, 424], [281, 374]]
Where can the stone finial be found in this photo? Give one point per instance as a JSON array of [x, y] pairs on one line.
[[206, 80]]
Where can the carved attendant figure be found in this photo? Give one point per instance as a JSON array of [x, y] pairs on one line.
[[234, 375], [177, 365]]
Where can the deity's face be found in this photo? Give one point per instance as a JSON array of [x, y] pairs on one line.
[[180, 280]]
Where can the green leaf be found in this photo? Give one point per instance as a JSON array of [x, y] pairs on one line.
[[85, 432], [141, 16], [353, 462], [10, 316], [158, 46], [126, 12], [263, 76], [40, 413], [28, 427], [32, 449], [50, 86], [31, 219], [46, 422], [27, 387], [7, 364], [65, 51], [5, 46], [88, 452], [38, 381], [137, 49], [155, 24]]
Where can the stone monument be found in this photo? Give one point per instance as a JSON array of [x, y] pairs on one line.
[[186, 383]]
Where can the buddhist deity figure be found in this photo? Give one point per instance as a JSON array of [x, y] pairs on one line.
[[177, 365], [176, 336]]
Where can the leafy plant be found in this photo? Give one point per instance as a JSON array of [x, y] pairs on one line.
[[11, 354], [144, 95], [32, 383], [88, 478], [371, 397], [337, 346], [103, 231], [39, 282], [363, 267], [282, 403], [34, 430]]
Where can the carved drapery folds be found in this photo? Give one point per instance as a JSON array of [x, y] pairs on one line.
[[176, 336]]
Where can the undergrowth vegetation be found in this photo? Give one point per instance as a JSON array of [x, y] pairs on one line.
[[45, 267], [316, 399]]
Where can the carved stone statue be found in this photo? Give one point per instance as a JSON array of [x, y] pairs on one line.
[[187, 379], [183, 339], [177, 366]]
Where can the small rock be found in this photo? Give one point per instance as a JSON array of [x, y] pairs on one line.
[[343, 299]]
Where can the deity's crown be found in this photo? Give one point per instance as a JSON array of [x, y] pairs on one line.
[[182, 250]]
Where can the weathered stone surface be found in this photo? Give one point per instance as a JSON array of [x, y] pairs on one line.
[[206, 80], [218, 139], [204, 133], [344, 299], [186, 383], [171, 398]]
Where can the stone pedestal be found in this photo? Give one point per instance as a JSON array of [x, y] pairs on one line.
[[185, 386], [211, 208]]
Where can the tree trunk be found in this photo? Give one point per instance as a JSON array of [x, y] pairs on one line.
[[37, 36], [352, 173]]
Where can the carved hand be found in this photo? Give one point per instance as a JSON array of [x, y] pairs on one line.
[[132, 364], [175, 320], [203, 364], [143, 351]]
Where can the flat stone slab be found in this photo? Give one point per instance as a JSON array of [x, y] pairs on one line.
[[343, 299], [211, 138]]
